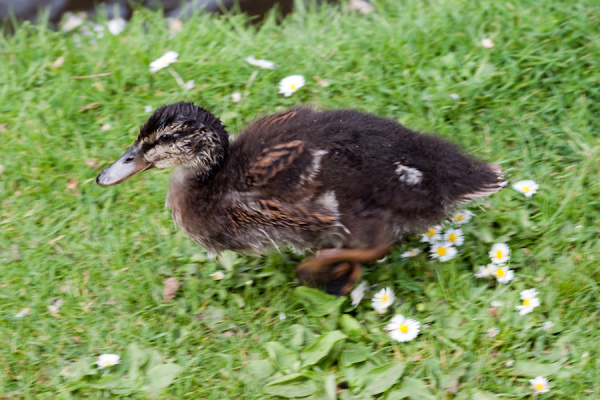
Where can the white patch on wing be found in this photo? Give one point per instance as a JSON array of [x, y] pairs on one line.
[[410, 176], [329, 201], [314, 167]]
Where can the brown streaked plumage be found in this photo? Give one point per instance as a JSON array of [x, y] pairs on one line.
[[346, 184]]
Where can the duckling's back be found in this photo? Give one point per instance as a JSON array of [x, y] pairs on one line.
[[378, 171]]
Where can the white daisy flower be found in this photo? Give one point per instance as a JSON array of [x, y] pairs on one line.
[[547, 325], [108, 360], [530, 301], [73, 21], [485, 271], [500, 253], [411, 253], [454, 96], [23, 313], [116, 26], [493, 332], [358, 293], [148, 109], [462, 217], [497, 303], [290, 84], [282, 316], [99, 29], [540, 384], [432, 235], [236, 97], [218, 275], [443, 251], [54, 307], [403, 329], [260, 63], [528, 187], [383, 299], [167, 59], [454, 237], [503, 274], [487, 43]]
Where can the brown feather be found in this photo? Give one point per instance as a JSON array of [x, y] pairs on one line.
[[272, 161], [274, 214]]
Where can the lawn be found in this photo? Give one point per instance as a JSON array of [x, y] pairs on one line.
[[82, 267]]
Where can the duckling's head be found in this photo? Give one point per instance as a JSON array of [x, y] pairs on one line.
[[180, 134]]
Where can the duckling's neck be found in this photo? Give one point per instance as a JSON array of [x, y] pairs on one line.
[[194, 198], [212, 155]]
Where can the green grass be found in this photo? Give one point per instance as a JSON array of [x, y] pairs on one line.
[[530, 103]]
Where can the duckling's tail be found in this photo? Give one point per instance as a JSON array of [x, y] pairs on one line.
[[489, 187]]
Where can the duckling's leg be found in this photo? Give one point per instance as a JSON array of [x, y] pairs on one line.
[[343, 277], [337, 269]]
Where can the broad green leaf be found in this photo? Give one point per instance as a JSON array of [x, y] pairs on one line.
[[112, 382], [154, 359], [282, 358], [450, 380], [158, 378], [318, 303], [228, 259], [354, 353], [380, 379], [481, 395], [330, 387], [258, 369], [321, 347], [78, 370], [294, 385], [413, 389], [133, 359], [524, 218], [533, 369], [355, 374], [299, 333], [351, 327], [212, 315], [356, 396], [453, 333]]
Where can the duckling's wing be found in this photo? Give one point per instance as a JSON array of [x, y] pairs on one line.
[[272, 161], [275, 214]]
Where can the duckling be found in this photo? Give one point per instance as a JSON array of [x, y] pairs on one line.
[[346, 184]]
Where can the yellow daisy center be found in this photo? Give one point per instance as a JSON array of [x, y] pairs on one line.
[[431, 232], [460, 217], [539, 386], [293, 86], [526, 302], [499, 254], [452, 237], [384, 299], [403, 328], [441, 251], [526, 189], [500, 273]]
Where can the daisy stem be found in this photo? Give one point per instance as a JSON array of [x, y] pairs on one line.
[[250, 80], [176, 76]]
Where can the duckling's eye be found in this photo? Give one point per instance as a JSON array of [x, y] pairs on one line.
[[164, 138]]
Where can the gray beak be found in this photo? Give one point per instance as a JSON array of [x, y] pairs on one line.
[[130, 163]]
